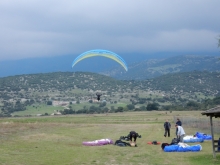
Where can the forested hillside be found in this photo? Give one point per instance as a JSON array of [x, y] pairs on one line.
[[188, 82], [19, 92]]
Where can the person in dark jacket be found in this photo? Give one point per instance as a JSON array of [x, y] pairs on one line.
[[179, 123], [167, 127], [133, 135]]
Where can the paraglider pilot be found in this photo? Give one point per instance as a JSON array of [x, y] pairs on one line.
[[98, 96], [133, 135]]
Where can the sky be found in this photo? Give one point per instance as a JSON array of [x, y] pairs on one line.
[[46, 28]]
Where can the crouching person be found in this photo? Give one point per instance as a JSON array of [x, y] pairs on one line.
[[133, 136]]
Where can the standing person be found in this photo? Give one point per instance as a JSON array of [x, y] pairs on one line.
[[167, 127], [178, 123], [180, 133]]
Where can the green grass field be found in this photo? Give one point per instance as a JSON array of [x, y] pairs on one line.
[[38, 109], [43, 108], [57, 140]]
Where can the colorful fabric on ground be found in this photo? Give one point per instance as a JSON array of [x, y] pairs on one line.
[[98, 142], [182, 147], [203, 135], [192, 139]]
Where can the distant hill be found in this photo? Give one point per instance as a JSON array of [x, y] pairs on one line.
[[189, 82], [64, 63], [139, 68], [157, 67], [18, 92], [185, 82]]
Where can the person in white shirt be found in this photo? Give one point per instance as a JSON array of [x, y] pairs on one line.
[[180, 133]]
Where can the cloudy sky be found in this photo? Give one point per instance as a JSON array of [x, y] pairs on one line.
[[40, 28]]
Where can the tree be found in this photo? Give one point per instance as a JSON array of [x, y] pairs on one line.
[[142, 100], [67, 111], [120, 109], [216, 100], [192, 104], [142, 108], [102, 104], [130, 106], [49, 103], [93, 109], [152, 106]]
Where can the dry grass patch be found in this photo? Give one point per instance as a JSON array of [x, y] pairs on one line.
[[58, 140]]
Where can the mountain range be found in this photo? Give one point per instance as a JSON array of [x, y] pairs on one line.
[[63, 64], [152, 68], [139, 68]]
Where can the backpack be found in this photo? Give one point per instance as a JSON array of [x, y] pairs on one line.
[[121, 143], [174, 141], [163, 145]]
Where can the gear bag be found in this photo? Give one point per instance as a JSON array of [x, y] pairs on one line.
[[175, 141], [121, 143]]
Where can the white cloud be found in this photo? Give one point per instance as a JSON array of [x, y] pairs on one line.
[[51, 27]]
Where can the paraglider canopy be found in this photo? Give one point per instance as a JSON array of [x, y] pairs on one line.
[[100, 52]]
